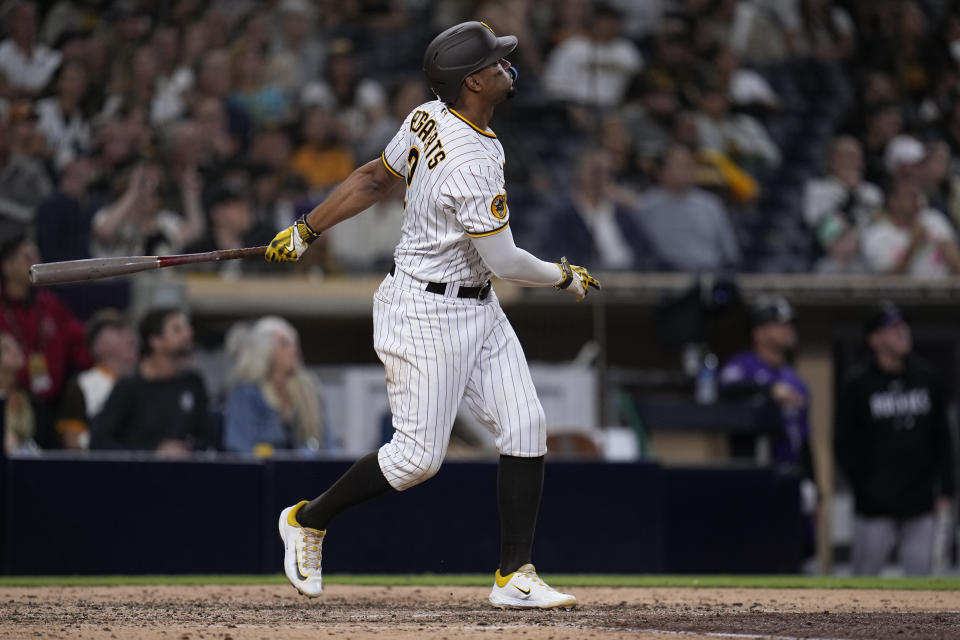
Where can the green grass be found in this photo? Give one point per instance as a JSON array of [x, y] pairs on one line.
[[477, 580]]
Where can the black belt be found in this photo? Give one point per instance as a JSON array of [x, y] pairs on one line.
[[476, 293]]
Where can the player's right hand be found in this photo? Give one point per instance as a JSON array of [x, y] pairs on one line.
[[576, 280], [290, 244]]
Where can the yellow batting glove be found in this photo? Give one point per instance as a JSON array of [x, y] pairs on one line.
[[290, 244], [588, 280], [576, 280]]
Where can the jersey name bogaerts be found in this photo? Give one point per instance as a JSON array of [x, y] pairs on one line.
[[455, 191]]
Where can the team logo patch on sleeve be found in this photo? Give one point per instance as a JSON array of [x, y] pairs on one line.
[[498, 206]]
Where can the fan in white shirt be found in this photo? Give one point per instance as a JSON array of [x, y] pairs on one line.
[[910, 239], [594, 69], [26, 64], [839, 206], [61, 119]]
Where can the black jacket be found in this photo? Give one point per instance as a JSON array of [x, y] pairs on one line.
[[570, 236], [892, 439], [139, 414]]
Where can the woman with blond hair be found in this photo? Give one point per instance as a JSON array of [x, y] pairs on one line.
[[18, 419], [273, 402]]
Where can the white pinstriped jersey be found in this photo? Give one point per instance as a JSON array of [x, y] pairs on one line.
[[455, 190], [439, 349]]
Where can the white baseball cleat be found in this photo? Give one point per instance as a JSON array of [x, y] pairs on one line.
[[523, 589], [303, 546]]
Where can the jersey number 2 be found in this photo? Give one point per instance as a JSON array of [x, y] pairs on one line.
[[412, 159]]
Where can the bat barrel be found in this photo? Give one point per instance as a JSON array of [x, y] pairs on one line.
[[96, 268], [91, 269]]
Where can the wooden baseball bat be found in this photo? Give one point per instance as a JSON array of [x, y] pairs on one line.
[[96, 268]]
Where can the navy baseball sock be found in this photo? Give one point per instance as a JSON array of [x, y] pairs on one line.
[[363, 481], [519, 484]]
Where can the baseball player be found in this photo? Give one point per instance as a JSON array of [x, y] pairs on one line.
[[438, 326]]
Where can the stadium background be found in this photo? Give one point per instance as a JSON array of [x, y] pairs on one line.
[[143, 64]]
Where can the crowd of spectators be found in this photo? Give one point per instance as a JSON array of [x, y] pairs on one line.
[[136, 126], [144, 391]]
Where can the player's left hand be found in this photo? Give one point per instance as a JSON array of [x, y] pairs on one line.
[[577, 280], [290, 244]]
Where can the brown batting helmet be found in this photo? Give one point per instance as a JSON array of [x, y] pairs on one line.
[[459, 51]]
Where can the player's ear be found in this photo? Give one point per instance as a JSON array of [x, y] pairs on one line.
[[473, 83]]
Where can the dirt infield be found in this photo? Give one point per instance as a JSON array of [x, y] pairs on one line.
[[460, 613]]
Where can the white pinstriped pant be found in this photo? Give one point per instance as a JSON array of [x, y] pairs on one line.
[[436, 350]]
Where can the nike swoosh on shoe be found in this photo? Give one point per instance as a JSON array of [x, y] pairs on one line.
[[300, 575]]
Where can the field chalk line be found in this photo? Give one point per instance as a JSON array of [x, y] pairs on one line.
[[709, 634], [666, 632]]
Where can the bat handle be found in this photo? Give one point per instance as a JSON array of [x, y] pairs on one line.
[[211, 256]]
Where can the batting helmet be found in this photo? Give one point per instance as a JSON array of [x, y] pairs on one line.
[[460, 51]]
